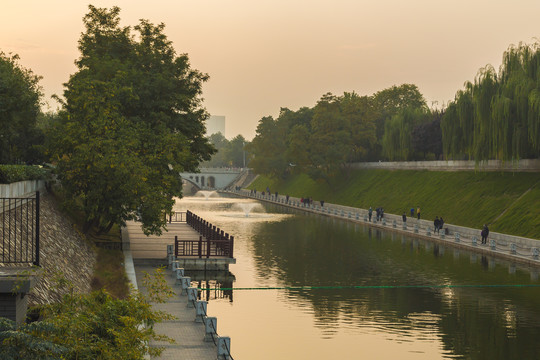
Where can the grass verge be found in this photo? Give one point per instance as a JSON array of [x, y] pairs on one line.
[[461, 198]]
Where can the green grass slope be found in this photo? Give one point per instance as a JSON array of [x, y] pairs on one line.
[[462, 198]]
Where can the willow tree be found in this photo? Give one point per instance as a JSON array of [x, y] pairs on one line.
[[498, 116], [485, 88], [396, 140]]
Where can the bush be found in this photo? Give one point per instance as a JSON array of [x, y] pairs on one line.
[[13, 173]]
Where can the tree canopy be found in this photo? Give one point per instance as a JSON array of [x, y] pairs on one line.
[[132, 119], [497, 116], [20, 96], [230, 153], [337, 131]]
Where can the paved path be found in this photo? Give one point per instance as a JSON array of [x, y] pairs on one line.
[[155, 247], [188, 335], [522, 252]]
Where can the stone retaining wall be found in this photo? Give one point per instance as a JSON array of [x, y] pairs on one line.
[[21, 188], [65, 253]]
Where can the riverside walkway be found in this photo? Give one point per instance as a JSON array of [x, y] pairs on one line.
[[143, 254], [514, 248]]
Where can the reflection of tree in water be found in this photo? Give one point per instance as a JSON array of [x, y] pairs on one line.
[[495, 323]]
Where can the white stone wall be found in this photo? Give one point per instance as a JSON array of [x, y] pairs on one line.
[[453, 165], [21, 188]]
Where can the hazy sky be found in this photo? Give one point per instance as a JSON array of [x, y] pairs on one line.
[[263, 55]]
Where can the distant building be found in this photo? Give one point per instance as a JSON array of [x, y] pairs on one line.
[[215, 124]]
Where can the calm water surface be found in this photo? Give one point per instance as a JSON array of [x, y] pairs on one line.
[[278, 247]]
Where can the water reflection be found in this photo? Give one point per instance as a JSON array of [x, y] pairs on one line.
[[288, 249]]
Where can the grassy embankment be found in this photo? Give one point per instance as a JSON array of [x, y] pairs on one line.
[[109, 272], [462, 198]]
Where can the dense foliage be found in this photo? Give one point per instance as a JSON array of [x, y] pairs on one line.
[[13, 173], [132, 119], [495, 117], [20, 94], [90, 326], [498, 115], [342, 129], [230, 153]]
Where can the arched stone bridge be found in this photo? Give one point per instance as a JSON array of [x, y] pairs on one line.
[[212, 178]]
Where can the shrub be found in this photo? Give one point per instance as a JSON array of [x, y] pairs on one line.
[[13, 173]]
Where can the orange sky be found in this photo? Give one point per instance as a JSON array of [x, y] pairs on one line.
[[263, 55]]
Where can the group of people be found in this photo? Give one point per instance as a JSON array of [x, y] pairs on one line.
[[378, 211], [417, 212], [438, 224]]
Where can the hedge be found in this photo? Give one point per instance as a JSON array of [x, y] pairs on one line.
[[14, 173]]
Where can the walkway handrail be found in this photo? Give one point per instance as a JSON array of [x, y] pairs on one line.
[[216, 241], [177, 216], [19, 230], [527, 250]]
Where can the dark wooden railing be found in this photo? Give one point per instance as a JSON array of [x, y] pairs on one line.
[[177, 216], [213, 242]]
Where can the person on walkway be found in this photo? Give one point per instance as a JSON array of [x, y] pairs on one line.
[[404, 217], [412, 212], [276, 196], [484, 233], [418, 212], [370, 212], [322, 203], [287, 198], [436, 225], [441, 223]]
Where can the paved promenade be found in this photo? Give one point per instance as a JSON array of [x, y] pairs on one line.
[[142, 254], [514, 248]]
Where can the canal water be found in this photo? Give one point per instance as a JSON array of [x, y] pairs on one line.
[[375, 295]]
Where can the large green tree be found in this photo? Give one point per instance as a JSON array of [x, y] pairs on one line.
[[20, 96], [132, 119], [498, 115]]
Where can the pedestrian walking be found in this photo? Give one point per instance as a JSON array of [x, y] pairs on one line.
[[370, 212], [436, 224], [418, 212], [412, 212], [484, 233], [404, 217]]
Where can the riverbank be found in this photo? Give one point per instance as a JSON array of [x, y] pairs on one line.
[[508, 202], [517, 249]]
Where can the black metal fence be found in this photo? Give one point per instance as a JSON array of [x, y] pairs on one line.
[[19, 227]]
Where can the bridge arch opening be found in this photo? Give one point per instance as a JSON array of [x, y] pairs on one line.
[[202, 182], [211, 182]]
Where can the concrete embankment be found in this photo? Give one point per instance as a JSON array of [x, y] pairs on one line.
[[66, 258], [514, 248]]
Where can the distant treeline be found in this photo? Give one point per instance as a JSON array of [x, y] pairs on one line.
[[496, 117]]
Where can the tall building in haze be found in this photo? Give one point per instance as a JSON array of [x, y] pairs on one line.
[[215, 124]]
